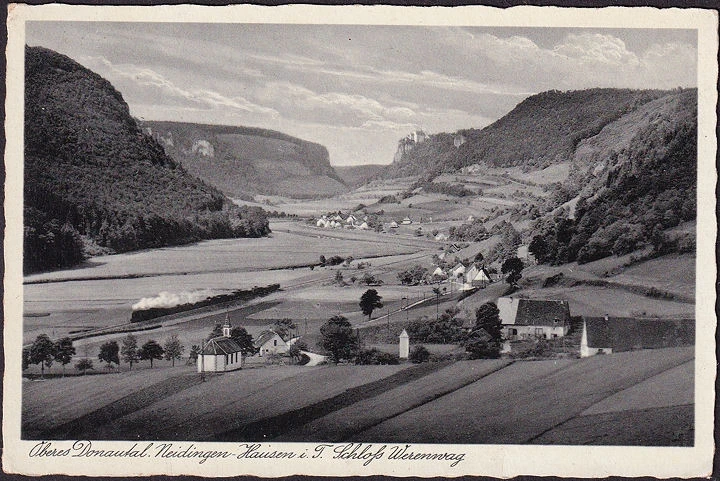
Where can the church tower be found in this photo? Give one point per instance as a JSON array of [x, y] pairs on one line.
[[226, 327]]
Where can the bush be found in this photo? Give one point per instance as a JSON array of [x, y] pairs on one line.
[[374, 357], [419, 354]]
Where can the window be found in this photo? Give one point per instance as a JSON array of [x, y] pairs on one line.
[[274, 342], [538, 331]]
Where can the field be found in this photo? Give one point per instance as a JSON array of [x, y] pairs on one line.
[[463, 402]]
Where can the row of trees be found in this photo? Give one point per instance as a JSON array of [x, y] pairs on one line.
[[483, 340], [44, 352]]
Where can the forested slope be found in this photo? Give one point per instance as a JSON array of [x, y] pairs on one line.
[[542, 129], [94, 180], [636, 180]]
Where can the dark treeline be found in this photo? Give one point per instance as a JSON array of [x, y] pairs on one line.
[[95, 183]]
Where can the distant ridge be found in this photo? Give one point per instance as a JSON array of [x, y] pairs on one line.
[[243, 161], [541, 130]]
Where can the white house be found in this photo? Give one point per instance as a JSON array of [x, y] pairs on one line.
[[393, 225], [351, 220], [406, 221], [270, 342], [221, 353], [458, 270], [438, 272], [531, 318], [477, 277], [364, 226]]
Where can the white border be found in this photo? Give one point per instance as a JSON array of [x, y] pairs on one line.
[[491, 460]]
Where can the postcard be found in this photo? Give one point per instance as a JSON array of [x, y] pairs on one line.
[[360, 240]]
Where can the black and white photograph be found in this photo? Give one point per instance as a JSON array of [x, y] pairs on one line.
[[359, 242]]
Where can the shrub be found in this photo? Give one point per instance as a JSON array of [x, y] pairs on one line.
[[374, 357], [419, 354]]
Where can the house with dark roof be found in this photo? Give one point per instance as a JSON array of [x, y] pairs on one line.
[[270, 342], [605, 335], [533, 318], [220, 353]]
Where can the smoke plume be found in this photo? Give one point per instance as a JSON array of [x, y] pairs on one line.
[[170, 299]]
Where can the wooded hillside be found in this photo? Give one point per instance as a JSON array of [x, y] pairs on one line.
[[542, 129], [91, 172]]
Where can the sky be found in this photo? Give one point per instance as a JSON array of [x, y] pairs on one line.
[[358, 89]]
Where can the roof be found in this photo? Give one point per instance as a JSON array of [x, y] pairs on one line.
[[264, 337], [220, 346], [627, 333], [536, 312]]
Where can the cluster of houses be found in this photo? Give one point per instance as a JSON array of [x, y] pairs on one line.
[[337, 222], [223, 353], [471, 277], [524, 319]]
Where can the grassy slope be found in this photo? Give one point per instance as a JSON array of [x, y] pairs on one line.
[[520, 402]]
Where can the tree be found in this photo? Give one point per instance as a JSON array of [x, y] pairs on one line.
[[484, 341], [216, 332], [283, 327], [129, 350], [436, 291], [487, 317], [370, 301], [479, 257], [25, 358], [42, 352], [83, 365], [295, 351], [339, 278], [338, 338], [413, 275], [64, 351], [151, 350], [323, 261], [193, 355], [173, 349], [513, 268], [109, 353], [419, 354], [244, 340], [539, 248]]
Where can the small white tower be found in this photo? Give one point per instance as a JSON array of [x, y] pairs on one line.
[[226, 327], [404, 345]]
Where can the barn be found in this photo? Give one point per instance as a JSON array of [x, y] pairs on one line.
[[221, 353], [605, 335], [532, 318], [270, 342]]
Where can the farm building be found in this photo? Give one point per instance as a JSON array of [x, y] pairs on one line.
[[531, 318], [406, 221], [441, 237], [269, 342], [605, 335], [458, 270], [351, 220], [364, 226], [220, 353], [438, 272], [393, 225], [477, 276]]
